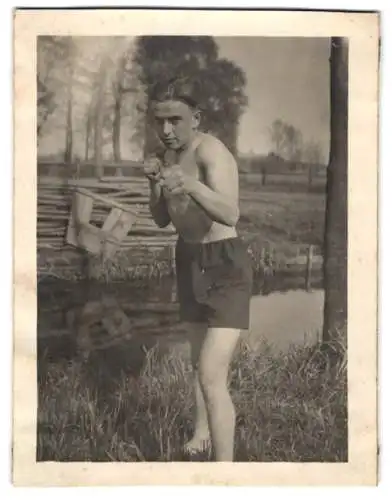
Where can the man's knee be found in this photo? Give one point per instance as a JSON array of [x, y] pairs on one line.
[[215, 358], [212, 377]]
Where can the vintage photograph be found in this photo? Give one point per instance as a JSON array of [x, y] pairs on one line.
[[192, 248]]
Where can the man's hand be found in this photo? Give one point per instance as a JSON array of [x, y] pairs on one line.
[[152, 169], [174, 181]]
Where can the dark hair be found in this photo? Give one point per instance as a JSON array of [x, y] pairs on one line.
[[178, 89]]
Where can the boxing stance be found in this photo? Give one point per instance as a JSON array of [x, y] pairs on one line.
[[195, 187]]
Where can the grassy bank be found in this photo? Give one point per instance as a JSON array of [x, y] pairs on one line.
[[290, 407], [281, 217]]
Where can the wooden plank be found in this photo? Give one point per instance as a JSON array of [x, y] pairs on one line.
[[83, 208], [111, 219], [105, 200], [121, 228], [55, 182], [80, 214], [50, 181], [52, 214], [124, 179], [125, 193], [49, 224], [83, 164]]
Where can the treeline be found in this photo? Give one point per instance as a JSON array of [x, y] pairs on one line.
[[93, 92], [287, 143]]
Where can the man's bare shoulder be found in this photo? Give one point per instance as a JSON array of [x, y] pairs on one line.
[[210, 148]]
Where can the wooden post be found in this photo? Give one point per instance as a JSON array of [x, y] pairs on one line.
[[309, 264], [263, 176], [68, 153], [310, 177], [172, 259]]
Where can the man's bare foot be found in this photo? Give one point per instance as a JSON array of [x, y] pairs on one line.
[[200, 443]]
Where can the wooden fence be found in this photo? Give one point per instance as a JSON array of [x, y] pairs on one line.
[[55, 192], [267, 171], [310, 178]]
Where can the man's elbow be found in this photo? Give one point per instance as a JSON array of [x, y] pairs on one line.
[[162, 223], [233, 218], [236, 217]]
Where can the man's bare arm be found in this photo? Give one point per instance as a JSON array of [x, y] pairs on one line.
[[219, 198], [158, 206]]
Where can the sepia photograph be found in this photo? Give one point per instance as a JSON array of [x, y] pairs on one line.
[[181, 229], [191, 248]]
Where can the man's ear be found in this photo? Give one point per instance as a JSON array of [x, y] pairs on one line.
[[196, 118]]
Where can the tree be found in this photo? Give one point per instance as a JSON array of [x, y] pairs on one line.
[[221, 83], [69, 55], [53, 61], [286, 140], [125, 82], [45, 105], [335, 256], [85, 86], [223, 86], [312, 153]]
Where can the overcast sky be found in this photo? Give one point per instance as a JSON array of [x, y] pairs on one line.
[[288, 78]]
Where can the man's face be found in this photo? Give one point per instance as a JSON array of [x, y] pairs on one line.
[[175, 123]]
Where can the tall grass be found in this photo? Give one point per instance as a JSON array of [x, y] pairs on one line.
[[126, 266], [290, 407]]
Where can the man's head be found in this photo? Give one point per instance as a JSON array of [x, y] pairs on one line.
[[176, 113]]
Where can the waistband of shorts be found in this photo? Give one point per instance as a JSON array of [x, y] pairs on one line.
[[212, 252]]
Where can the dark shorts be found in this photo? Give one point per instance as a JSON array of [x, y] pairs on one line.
[[214, 282]]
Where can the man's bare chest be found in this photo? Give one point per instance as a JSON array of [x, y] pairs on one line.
[[186, 215], [186, 161]]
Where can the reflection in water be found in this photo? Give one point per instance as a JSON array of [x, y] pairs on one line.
[[111, 327]]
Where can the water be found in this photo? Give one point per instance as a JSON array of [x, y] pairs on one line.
[[74, 320], [286, 318]]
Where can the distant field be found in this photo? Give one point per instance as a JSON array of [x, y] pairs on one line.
[[280, 215]]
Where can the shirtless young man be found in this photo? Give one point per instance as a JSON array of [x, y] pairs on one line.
[[196, 188]]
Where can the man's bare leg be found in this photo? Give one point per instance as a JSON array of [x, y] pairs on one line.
[[201, 438], [215, 357]]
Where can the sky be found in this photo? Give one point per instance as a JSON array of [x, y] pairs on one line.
[[287, 78]]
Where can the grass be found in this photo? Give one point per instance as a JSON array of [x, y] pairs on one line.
[[127, 266], [290, 407], [283, 218]]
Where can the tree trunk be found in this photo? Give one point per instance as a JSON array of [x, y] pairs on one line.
[[335, 255], [88, 133], [117, 129], [68, 132], [151, 142], [98, 124]]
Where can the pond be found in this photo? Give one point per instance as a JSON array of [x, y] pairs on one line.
[[120, 322]]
